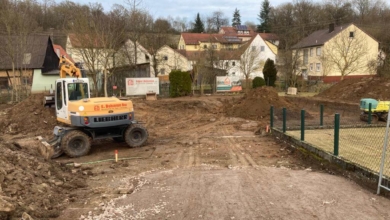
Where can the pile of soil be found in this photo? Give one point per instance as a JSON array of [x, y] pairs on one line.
[[30, 184], [354, 89], [29, 117], [256, 105]]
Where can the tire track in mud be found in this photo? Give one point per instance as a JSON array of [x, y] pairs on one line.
[[236, 150]]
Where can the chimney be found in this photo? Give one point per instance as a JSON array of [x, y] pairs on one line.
[[331, 27]]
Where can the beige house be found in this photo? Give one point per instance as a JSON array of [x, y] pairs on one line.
[[168, 59], [203, 41], [243, 32], [336, 53]]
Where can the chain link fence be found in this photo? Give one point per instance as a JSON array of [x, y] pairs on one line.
[[335, 128]]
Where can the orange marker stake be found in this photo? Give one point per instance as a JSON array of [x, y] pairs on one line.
[[266, 129], [116, 155]]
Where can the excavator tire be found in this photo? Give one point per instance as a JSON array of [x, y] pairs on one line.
[[76, 143], [135, 135]]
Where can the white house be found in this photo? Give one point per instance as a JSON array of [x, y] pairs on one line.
[[250, 58]]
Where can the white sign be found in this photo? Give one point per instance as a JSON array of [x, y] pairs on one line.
[[228, 84], [141, 86]]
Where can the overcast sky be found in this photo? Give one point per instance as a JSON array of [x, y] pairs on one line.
[[249, 9]]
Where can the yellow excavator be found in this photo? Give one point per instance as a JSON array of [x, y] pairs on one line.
[[86, 119]]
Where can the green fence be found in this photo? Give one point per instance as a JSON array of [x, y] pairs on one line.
[[341, 133]]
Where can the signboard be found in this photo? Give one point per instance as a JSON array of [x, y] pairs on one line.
[[228, 84], [141, 86]]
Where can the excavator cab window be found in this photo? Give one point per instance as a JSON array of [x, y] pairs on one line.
[[77, 91], [59, 95]]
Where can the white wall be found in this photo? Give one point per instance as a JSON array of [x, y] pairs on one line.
[[258, 42]]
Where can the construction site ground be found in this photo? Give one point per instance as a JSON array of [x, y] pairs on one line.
[[206, 158]]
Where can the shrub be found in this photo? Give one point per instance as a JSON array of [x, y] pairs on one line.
[[258, 82], [269, 72], [180, 83]]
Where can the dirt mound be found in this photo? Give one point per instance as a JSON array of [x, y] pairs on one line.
[[257, 103], [33, 185], [29, 117], [352, 90]]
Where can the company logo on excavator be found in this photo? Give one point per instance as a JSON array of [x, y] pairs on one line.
[[109, 106]]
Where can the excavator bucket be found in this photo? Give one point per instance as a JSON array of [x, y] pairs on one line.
[[49, 149]]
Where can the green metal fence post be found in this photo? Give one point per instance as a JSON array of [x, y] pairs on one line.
[[369, 113], [302, 125], [321, 115], [272, 117], [336, 134], [284, 120]]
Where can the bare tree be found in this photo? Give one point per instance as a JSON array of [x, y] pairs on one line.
[[250, 63], [216, 21], [348, 53], [97, 37], [138, 23], [16, 24]]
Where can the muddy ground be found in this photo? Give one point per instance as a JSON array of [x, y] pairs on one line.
[[201, 162]]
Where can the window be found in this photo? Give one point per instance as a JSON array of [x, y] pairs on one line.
[[27, 58], [262, 48], [351, 34], [205, 46], [233, 63], [3, 82], [311, 52], [318, 67], [146, 57], [59, 96], [233, 73], [162, 71], [253, 48], [165, 57], [305, 56], [26, 80], [77, 91], [227, 64], [318, 51], [311, 67], [214, 46]]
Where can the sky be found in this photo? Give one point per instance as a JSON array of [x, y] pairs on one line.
[[249, 9]]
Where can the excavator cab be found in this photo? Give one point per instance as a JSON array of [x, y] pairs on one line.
[[69, 90]]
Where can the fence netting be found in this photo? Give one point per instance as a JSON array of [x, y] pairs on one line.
[[359, 141]]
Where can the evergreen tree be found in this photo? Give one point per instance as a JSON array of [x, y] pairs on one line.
[[264, 18], [198, 27], [269, 72], [236, 18]]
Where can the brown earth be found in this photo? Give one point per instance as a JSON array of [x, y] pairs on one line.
[[256, 104], [352, 90], [29, 117], [202, 160]]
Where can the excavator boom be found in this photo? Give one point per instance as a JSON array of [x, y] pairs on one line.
[[68, 68]]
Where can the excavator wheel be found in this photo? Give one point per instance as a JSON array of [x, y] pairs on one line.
[[135, 135], [75, 143]]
